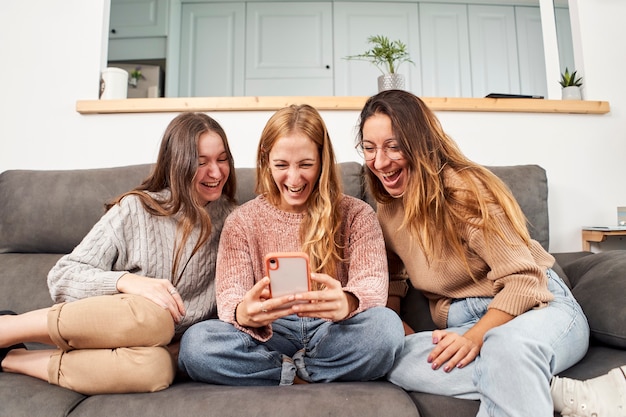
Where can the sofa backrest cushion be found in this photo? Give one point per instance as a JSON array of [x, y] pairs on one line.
[[529, 185], [51, 211]]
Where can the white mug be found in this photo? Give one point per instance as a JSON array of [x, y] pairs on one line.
[[113, 84]]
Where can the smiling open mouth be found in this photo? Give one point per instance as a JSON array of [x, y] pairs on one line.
[[390, 176], [296, 189], [211, 184]]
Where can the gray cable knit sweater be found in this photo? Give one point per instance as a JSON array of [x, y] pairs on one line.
[[128, 239]]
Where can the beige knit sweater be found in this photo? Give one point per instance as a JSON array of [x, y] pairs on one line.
[[128, 239], [514, 274], [257, 227]]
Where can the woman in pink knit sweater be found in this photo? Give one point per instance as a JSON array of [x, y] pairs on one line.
[[507, 322], [345, 333]]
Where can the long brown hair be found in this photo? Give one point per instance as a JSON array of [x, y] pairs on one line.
[[434, 210], [320, 230], [175, 170]]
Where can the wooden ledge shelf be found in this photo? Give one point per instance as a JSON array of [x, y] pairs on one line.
[[209, 104]]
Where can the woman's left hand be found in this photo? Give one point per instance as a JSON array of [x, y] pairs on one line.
[[332, 303], [452, 350], [455, 350]]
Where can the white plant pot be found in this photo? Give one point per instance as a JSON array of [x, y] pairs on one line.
[[391, 82], [571, 93]]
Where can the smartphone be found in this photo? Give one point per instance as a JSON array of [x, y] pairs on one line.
[[288, 272]]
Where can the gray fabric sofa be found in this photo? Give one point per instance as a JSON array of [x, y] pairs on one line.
[[44, 214]]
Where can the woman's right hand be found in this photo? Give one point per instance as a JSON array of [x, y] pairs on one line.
[[159, 291], [258, 310]]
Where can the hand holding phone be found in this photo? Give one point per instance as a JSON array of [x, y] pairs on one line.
[[289, 273]]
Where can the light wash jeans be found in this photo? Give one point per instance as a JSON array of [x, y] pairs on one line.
[[361, 348], [511, 376]]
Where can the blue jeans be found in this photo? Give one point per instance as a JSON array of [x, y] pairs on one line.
[[360, 348], [512, 374]]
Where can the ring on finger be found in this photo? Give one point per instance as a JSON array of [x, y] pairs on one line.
[[263, 309], [173, 291]]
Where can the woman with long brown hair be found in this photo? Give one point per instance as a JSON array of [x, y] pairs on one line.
[[506, 321], [141, 276], [344, 332]]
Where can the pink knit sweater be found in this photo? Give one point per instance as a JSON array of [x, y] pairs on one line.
[[257, 227]]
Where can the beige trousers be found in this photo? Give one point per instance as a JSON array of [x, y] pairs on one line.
[[111, 344]]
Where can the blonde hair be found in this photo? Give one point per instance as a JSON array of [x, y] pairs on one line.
[[321, 228], [175, 169], [434, 210]]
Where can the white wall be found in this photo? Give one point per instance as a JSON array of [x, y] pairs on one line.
[[51, 51]]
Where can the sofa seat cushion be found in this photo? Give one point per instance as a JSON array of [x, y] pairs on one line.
[[599, 284], [346, 399], [24, 396]]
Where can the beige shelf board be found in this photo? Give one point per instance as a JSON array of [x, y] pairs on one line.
[[209, 104]]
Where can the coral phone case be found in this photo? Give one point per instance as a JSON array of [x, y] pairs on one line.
[[288, 272]]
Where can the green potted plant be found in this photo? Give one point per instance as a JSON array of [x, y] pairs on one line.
[[387, 56], [135, 76], [571, 85]]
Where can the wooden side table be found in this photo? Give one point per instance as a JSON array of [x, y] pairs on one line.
[[599, 234]]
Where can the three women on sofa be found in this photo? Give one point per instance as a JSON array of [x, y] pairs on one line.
[[139, 279], [344, 332], [424, 186]]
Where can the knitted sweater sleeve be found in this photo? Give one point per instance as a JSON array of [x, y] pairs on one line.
[[88, 270], [368, 276], [517, 270], [235, 273]]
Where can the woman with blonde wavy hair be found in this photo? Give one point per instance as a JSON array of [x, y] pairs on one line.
[[343, 332], [506, 321]]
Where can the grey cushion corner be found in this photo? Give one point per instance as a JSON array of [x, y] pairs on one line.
[[246, 183], [599, 285], [352, 178], [529, 185]]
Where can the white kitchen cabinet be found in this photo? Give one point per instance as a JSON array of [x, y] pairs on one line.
[[504, 42], [445, 53], [138, 18], [532, 62], [212, 50], [289, 49], [138, 29], [493, 48], [354, 22]]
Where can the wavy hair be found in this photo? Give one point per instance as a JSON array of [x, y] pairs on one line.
[[320, 230], [434, 210], [175, 170]]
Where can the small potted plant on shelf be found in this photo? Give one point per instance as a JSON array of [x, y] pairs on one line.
[[386, 55], [571, 85], [135, 76]]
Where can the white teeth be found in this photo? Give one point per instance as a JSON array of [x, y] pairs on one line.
[[211, 184], [389, 174], [294, 189]]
